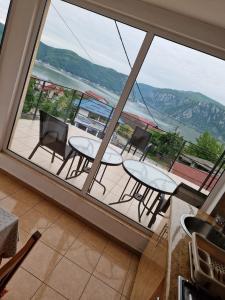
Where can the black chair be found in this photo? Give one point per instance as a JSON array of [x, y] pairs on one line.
[[9, 269], [52, 136], [140, 140], [183, 192]]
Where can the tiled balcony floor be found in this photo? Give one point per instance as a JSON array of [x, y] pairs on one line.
[[26, 137], [71, 261]]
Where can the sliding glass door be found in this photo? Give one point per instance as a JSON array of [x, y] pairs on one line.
[[120, 115]]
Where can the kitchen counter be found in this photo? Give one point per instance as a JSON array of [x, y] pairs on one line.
[[178, 254]]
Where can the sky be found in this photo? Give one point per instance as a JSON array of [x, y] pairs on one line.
[[167, 65]]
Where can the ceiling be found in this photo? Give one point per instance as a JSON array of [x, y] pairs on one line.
[[210, 11]]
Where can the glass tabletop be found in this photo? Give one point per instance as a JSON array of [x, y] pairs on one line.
[[150, 176], [89, 148]]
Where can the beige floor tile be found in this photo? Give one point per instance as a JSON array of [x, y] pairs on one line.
[[22, 286], [68, 279], [13, 206], [33, 220], [84, 254], [70, 223], [49, 209], [46, 293], [94, 237], [111, 271], [41, 261], [58, 238], [97, 290]]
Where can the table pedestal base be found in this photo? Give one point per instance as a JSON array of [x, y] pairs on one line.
[[135, 194], [85, 169]]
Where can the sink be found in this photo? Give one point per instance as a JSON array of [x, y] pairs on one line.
[[191, 223]]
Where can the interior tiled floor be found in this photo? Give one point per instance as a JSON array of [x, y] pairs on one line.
[[71, 260], [24, 140]]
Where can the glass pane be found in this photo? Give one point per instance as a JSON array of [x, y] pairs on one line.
[[173, 122], [77, 79], [4, 7]]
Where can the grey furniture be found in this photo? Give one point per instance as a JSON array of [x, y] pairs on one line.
[[9, 269], [87, 149], [140, 140], [52, 137], [148, 179]]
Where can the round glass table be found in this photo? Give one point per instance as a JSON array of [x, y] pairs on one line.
[[152, 179], [87, 148], [149, 176]]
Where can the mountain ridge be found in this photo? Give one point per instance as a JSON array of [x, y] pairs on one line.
[[193, 109]]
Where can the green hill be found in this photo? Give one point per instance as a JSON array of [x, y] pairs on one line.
[[193, 109]]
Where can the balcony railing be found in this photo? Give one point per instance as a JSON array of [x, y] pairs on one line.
[[169, 150]]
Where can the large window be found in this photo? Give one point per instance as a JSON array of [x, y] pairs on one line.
[[170, 130]]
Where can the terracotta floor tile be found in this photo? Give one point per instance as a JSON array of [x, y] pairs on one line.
[[135, 259], [94, 237], [97, 290], [46, 293], [41, 261], [27, 196], [70, 223], [49, 209], [84, 254], [111, 271], [58, 238], [68, 279], [129, 282], [118, 253], [22, 286], [33, 220], [23, 238], [13, 206]]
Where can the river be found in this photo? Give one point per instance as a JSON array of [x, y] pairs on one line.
[[49, 73]]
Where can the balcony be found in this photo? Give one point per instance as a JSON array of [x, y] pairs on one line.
[[26, 136]]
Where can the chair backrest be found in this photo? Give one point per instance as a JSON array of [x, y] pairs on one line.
[[140, 138], [9, 269], [190, 195], [53, 133]]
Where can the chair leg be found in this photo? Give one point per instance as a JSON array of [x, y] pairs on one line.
[[53, 156], [35, 149], [124, 148]]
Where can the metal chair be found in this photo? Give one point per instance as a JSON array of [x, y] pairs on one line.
[[53, 136], [9, 269], [140, 140], [183, 192]]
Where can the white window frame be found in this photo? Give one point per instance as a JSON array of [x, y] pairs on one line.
[[211, 42]]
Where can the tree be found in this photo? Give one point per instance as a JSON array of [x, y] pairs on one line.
[[30, 99], [168, 144], [125, 131], [207, 147]]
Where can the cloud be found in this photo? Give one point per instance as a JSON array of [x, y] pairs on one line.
[[167, 65]]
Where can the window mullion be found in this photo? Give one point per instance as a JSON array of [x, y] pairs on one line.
[[119, 108]]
